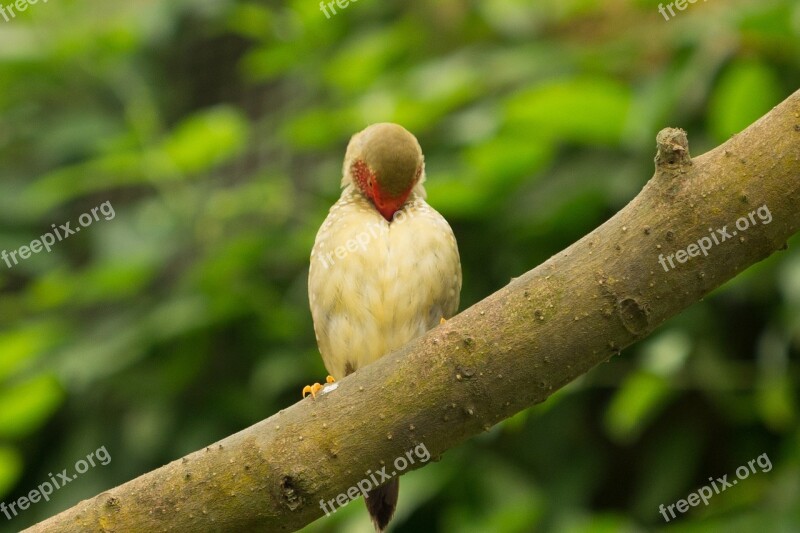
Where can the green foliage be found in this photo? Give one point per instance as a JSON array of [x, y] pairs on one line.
[[25, 407], [745, 91], [217, 130]]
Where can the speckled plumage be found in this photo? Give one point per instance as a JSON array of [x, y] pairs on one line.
[[398, 282]]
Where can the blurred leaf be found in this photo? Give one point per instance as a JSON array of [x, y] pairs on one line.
[[372, 51], [745, 91], [581, 110], [777, 402], [23, 345], [101, 283], [638, 400], [25, 407], [507, 160], [251, 20], [270, 62], [207, 139], [10, 468], [317, 127], [666, 354]]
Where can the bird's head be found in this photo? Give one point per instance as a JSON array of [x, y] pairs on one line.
[[385, 162]]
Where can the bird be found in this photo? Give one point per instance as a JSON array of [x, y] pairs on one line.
[[385, 266]]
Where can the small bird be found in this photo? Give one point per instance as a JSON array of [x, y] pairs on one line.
[[385, 266]]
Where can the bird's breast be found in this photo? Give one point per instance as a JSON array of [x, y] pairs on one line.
[[374, 285]]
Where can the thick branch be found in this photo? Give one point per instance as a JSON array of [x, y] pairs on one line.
[[506, 353]]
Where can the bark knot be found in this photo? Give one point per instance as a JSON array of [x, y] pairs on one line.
[[290, 495], [634, 316], [673, 148]]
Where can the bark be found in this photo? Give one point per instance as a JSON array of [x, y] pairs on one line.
[[504, 354]]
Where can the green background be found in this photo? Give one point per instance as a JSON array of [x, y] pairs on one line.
[[217, 130]]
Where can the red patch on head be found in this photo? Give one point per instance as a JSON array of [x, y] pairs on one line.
[[386, 205]]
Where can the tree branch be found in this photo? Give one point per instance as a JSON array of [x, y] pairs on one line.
[[504, 354]]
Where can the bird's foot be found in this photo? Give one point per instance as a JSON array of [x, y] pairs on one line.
[[442, 320], [316, 387]]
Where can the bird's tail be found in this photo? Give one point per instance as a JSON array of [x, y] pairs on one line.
[[382, 502]]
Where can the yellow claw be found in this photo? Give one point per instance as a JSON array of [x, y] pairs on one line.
[[442, 320], [312, 389], [316, 387]]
